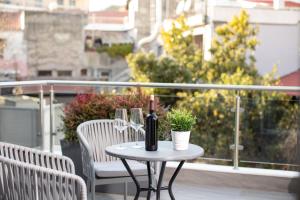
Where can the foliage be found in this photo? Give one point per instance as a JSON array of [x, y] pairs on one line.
[[181, 119], [233, 52], [232, 62], [86, 107], [116, 50], [180, 64], [146, 67]]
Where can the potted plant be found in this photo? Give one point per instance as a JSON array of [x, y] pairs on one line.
[[181, 122], [85, 107]]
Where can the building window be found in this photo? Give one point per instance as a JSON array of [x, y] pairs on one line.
[[198, 40], [102, 74], [38, 3], [2, 47], [83, 72], [44, 73], [60, 2], [72, 2], [98, 43], [88, 42], [105, 76], [64, 73]]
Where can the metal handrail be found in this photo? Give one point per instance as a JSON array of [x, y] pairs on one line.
[[151, 85]]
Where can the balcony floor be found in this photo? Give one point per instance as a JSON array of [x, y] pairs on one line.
[[183, 191]]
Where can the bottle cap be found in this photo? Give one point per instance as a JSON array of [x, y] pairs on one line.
[[152, 97]]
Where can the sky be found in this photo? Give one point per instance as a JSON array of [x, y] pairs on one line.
[[102, 4]]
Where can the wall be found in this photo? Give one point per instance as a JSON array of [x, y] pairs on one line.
[[279, 36], [279, 45], [55, 41], [143, 18], [14, 57], [104, 62]]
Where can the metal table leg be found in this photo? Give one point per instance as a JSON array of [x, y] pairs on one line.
[[149, 180], [138, 187], [173, 179], [160, 179]]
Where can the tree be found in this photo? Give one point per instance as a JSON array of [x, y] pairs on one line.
[[232, 62], [233, 51], [180, 63]]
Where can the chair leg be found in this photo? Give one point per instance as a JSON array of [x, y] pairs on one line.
[[156, 173], [125, 190], [88, 187], [93, 190]]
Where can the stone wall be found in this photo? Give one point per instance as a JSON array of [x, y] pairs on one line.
[[55, 41], [103, 62]]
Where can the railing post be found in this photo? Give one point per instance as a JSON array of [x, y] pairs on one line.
[[51, 117], [42, 131], [237, 131]]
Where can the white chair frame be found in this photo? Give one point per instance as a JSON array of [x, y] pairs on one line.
[[37, 157], [94, 136], [30, 174], [23, 181]]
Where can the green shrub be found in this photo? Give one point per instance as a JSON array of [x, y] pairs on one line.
[[181, 120], [87, 107], [116, 50]]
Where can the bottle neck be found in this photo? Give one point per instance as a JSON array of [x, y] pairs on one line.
[[151, 106]]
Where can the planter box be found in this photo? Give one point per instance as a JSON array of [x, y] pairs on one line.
[[72, 150]]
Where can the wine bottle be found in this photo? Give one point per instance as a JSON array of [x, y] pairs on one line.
[[151, 127]]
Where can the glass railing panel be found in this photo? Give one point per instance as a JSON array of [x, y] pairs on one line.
[[270, 132], [214, 111], [20, 117], [215, 121]]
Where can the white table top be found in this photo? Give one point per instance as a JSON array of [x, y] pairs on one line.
[[165, 152]]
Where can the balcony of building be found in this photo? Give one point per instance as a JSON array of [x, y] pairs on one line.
[[244, 165]]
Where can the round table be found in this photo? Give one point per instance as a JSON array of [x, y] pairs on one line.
[[164, 153]]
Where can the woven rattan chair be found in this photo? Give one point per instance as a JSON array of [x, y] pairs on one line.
[[24, 181], [98, 167], [37, 157]]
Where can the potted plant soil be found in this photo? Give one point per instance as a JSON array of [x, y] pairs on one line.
[[181, 122]]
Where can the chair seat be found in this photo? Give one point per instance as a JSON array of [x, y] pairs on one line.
[[117, 169]]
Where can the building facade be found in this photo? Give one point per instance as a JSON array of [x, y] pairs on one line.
[[278, 22], [55, 45], [82, 5], [279, 31], [13, 60]]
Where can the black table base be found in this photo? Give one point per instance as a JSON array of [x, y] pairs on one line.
[[159, 183]]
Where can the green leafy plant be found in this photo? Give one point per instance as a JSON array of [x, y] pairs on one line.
[[116, 50], [181, 119]]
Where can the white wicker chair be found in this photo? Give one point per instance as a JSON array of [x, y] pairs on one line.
[[37, 157], [24, 181], [98, 167]]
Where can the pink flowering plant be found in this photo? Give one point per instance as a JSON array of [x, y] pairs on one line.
[[87, 107]]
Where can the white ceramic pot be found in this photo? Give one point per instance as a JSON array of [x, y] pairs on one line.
[[180, 139]]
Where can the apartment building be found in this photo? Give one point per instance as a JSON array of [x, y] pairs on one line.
[[13, 60], [82, 5], [41, 40], [278, 23]]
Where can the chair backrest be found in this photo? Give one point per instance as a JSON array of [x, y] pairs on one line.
[[37, 157], [23, 181], [96, 135]]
